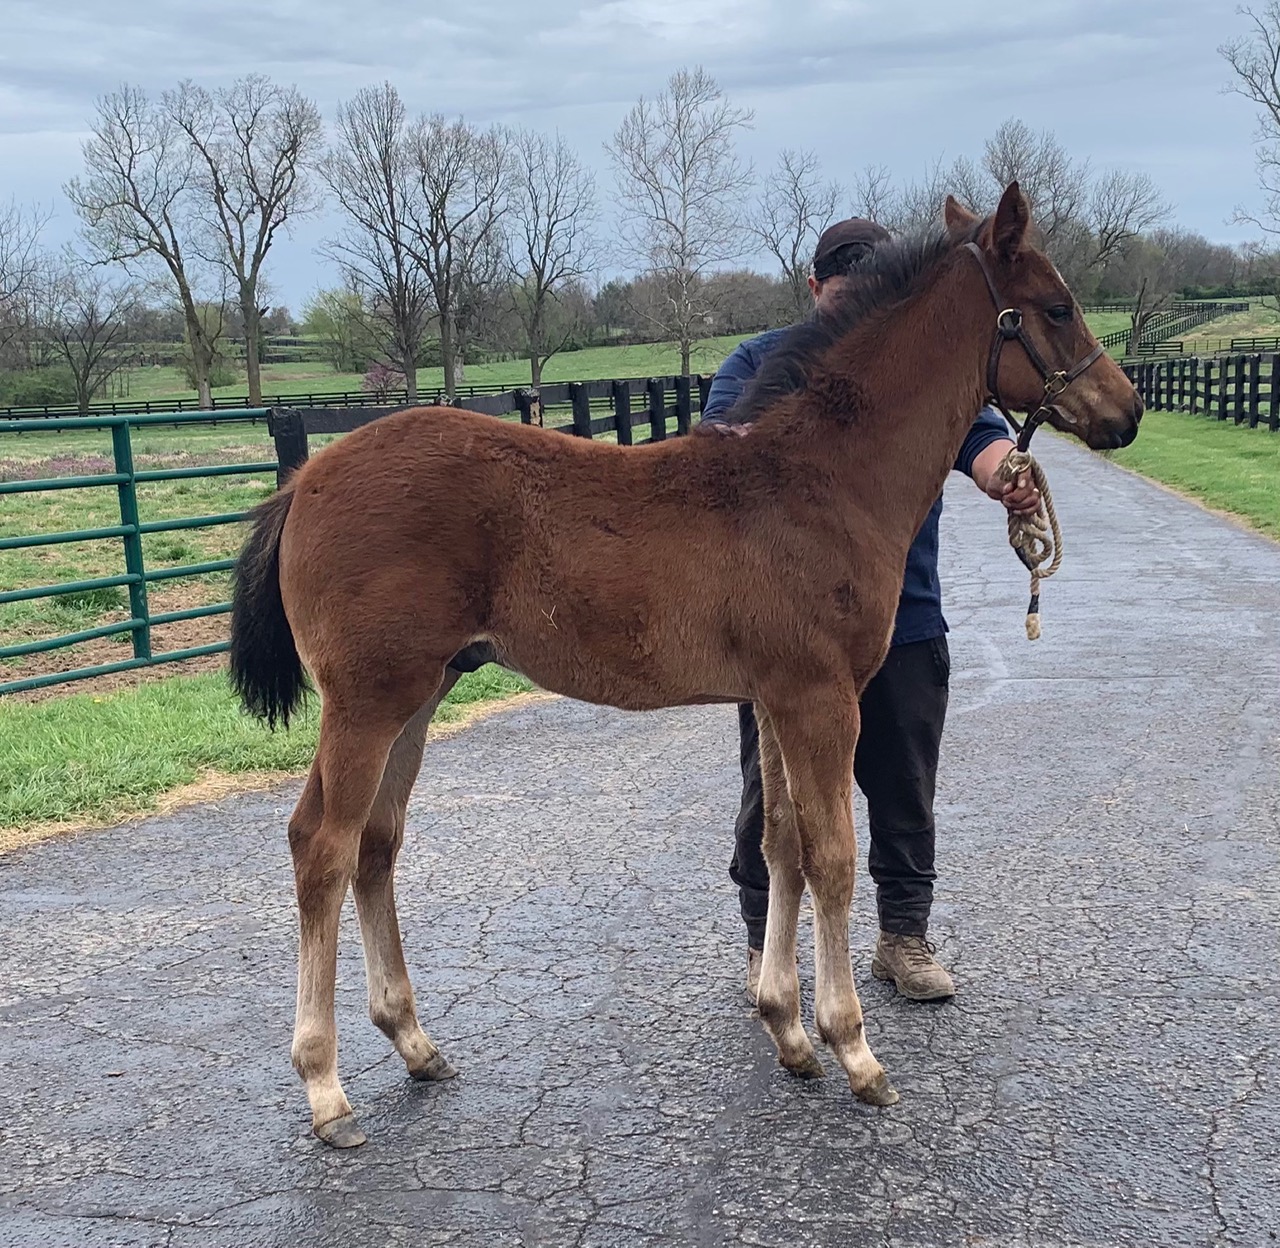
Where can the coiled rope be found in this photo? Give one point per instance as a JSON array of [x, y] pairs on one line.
[[1037, 539]]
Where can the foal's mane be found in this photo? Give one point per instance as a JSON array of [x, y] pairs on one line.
[[895, 271]]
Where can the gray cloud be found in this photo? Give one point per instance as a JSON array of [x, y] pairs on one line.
[[1137, 85]]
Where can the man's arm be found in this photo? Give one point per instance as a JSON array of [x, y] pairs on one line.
[[726, 389], [984, 447]]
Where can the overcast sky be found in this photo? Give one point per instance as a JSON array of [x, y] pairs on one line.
[[1137, 84]]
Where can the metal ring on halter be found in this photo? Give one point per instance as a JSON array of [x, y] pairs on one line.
[[1009, 322]]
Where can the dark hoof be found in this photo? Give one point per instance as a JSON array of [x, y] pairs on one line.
[[341, 1133], [807, 1068], [880, 1092], [439, 1067]]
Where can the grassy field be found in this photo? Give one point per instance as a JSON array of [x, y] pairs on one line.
[[1231, 467], [1260, 321], [644, 360], [93, 757]]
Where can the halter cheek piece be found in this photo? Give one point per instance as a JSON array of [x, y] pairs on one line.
[[1008, 329]]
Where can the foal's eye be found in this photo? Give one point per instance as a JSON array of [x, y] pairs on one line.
[[1060, 313]]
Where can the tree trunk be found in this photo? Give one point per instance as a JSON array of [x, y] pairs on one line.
[[252, 365], [535, 351], [446, 354], [409, 366], [685, 351]]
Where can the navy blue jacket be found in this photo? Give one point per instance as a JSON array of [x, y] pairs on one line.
[[920, 606]]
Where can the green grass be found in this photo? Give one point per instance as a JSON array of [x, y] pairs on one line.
[[97, 756], [643, 360], [1230, 467]]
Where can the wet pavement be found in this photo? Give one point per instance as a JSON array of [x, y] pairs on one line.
[[1109, 900]]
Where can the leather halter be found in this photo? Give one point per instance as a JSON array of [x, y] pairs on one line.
[[1008, 329]]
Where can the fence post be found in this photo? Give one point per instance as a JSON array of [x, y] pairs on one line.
[[1274, 404], [1255, 377], [529, 405], [1224, 376], [581, 402], [622, 411], [704, 389], [684, 404], [122, 448], [656, 389], [1241, 365], [285, 426], [1195, 384]]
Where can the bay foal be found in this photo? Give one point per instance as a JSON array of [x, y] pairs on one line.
[[611, 574]]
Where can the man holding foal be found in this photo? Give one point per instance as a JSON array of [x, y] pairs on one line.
[[905, 704]]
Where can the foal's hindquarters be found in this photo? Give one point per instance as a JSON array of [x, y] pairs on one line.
[[806, 762]]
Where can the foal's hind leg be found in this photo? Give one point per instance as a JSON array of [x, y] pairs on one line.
[[779, 997], [817, 740], [324, 835], [391, 1000]]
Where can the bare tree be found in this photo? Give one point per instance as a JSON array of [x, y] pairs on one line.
[[874, 196], [1122, 205], [369, 171], [453, 217], [1255, 62], [1056, 184], [795, 207], [137, 206], [20, 265], [681, 186], [552, 212], [88, 317], [254, 143]]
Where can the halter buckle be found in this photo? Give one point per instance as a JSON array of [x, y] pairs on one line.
[[1055, 384]]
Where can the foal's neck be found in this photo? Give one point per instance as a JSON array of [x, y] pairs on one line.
[[921, 371]]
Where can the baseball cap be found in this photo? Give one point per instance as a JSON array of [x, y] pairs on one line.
[[843, 244]]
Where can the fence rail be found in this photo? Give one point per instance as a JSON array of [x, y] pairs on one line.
[[629, 410], [1244, 389]]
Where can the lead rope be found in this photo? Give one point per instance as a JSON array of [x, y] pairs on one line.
[[1035, 538]]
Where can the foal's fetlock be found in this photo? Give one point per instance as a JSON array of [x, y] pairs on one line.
[[795, 1050]]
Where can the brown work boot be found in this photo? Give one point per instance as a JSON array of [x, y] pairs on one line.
[[908, 962], [755, 961]]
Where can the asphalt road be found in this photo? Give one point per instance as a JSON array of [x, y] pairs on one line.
[[1109, 901]]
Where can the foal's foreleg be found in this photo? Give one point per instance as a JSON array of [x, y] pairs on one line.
[[817, 744], [779, 997], [391, 1000]]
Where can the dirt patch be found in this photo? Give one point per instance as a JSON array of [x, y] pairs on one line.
[[213, 786]]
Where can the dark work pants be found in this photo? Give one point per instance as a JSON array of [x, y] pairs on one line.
[[895, 765]]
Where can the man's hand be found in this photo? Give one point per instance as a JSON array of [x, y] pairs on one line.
[[1020, 497], [719, 426]]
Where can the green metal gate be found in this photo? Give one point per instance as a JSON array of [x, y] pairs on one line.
[[130, 531]]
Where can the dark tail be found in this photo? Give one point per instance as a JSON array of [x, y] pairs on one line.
[[266, 671]]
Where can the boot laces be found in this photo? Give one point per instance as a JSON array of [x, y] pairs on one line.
[[918, 951]]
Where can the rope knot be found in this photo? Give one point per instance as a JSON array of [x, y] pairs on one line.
[[1036, 539]]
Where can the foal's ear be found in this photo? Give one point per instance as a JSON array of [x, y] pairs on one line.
[[960, 221], [1013, 216]]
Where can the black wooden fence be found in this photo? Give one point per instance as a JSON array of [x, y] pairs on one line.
[[1244, 389], [629, 410]]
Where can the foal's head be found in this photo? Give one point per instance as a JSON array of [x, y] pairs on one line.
[[1033, 313]]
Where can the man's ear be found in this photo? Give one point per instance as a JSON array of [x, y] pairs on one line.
[[960, 221], [1013, 216]]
